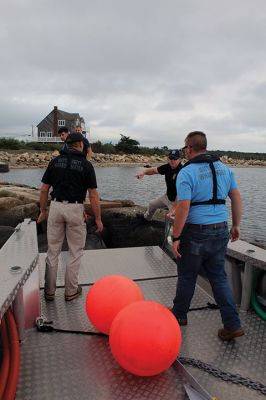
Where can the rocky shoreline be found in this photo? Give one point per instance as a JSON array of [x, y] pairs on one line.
[[122, 227], [40, 159]]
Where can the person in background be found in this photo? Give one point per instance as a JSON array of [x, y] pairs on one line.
[[63, 133], [200, 232], [78, 129], [70, 175], [87, 147], [170, 171]]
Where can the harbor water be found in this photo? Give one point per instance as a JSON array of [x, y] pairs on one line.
[[120, 183]]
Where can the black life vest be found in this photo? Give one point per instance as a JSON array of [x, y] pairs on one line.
[[210, 159]]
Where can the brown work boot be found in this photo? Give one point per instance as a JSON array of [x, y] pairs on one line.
[[75, 295], [227, 335]]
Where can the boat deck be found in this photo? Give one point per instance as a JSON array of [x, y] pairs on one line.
[[76, 367]]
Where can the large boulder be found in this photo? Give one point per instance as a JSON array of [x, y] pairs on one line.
[[13, 216], [24, 193], [126, 229], [122, 226], [4, 167], [93, 241], [9, 202], [17, 203]]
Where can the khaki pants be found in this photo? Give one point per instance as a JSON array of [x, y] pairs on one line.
[[159, 202], [64, 220]]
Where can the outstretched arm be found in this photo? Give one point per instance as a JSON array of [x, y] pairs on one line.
[[147, 171], [236, 208]]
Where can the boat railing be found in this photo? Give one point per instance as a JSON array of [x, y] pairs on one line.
[[19, 276]]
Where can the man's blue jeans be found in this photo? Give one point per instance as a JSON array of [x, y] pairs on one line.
[[204, 248]]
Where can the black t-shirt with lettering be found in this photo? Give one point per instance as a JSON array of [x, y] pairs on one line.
[[70, 175], [170, 179]]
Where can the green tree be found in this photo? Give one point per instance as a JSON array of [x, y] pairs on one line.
[[11, 144], [97, 147], [127, 145], [106, 148]]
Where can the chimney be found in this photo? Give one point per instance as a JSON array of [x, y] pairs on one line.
[[55, 121]]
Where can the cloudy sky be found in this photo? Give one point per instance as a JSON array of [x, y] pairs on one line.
[[153, 70]]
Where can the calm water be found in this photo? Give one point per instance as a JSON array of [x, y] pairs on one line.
[[120, 183]]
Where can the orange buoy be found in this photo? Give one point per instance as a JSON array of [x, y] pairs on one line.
[[107, 297], [145, 338]]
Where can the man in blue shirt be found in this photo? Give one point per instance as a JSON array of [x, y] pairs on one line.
[[200, 232]]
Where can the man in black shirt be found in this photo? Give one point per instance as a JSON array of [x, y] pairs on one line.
[[70, 175], [170, 171]]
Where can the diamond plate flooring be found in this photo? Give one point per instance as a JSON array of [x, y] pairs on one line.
[[134, 262], [68, 366]]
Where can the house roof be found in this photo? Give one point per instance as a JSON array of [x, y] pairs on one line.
[[62, 115]]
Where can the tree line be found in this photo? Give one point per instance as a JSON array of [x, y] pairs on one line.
[[126, 145]]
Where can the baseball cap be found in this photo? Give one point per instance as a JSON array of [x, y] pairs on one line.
[[174, 154], [74, 137]]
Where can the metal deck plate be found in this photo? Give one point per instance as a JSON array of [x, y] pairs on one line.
[[68, 366], [21, 251], [134, 262], [76, 367]]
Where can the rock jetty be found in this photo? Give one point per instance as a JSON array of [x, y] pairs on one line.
[[4, 167], [38, 159], [122, 227], [41, 159]]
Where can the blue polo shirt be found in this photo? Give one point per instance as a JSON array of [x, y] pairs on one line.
[[195, 183]]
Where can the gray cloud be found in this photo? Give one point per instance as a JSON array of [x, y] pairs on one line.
[[150, 69]]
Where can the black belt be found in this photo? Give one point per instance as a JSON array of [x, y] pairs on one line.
[[68, 201], [207, 226]]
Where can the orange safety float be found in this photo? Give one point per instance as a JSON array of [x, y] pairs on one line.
[[107, 297], [145, 338]]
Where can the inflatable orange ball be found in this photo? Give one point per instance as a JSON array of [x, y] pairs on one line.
[[145, 338], [107, 297]]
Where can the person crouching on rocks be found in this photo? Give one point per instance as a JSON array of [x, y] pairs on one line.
[[167, 200]]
